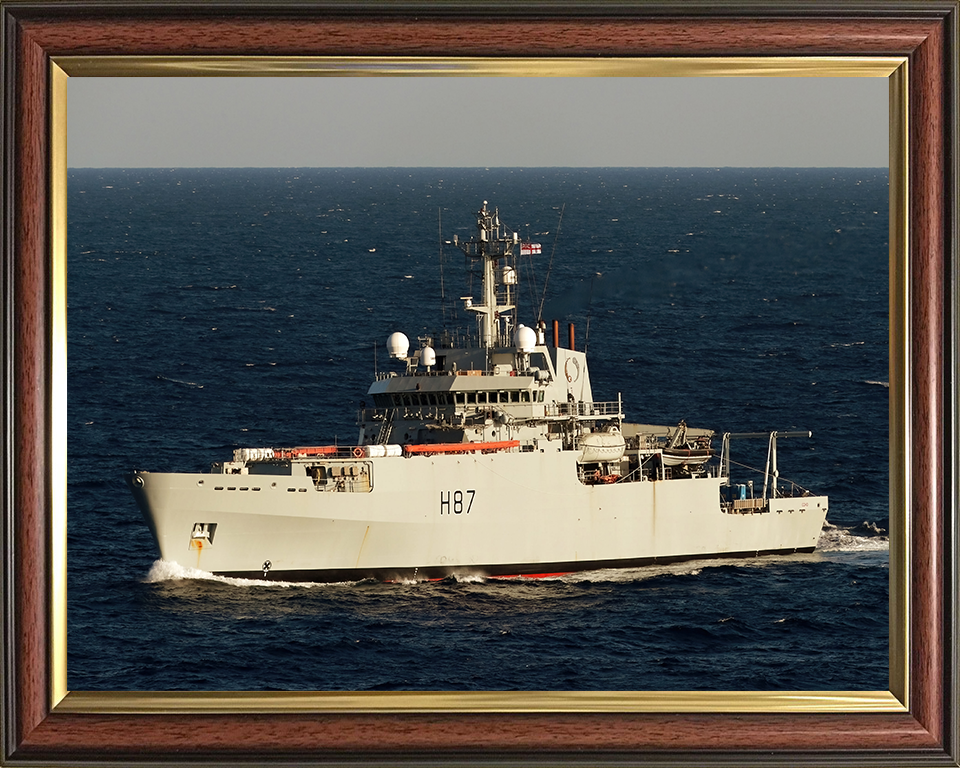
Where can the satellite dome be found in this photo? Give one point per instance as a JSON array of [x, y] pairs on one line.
[[397, 345], [428, 356], [525, 338]]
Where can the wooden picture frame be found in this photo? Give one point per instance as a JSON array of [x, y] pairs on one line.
[[916, 722]]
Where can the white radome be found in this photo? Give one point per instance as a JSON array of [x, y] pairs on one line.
[[525, 338], [397, 345]]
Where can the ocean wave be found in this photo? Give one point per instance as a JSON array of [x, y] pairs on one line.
[[207, 287], [463, 578], [170, 570], [180, 381], [866, 537], [878, 383], [642, 573]]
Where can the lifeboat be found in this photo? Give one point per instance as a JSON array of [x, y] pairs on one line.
[[602, 446], [690, 457]]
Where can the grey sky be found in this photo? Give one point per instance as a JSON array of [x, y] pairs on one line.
[[477, 121]]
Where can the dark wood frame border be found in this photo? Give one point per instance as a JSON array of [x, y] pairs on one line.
[[924, 31]]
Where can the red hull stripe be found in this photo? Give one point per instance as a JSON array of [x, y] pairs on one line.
[[514, 570], [533, 575]]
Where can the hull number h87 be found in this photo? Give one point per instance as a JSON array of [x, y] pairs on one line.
[[456, 502]]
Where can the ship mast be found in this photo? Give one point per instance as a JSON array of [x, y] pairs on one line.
[[492, 245]]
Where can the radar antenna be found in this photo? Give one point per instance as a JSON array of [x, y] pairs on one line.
[[494, 247]]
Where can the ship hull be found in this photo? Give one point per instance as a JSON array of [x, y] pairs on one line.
[[423, 517]]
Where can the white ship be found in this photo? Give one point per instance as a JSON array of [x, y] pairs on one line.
[[482, 456]]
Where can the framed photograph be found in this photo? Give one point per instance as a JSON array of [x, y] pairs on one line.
[[47, 722]]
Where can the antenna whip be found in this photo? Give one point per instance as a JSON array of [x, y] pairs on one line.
[[546, 280]]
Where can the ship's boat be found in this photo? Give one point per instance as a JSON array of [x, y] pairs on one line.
[[484, 453], [686, 457], [678, 453], [608, 445]]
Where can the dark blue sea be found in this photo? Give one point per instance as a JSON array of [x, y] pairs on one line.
[[212, 309]]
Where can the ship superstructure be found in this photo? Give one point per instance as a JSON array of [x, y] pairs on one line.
[[482, 455]]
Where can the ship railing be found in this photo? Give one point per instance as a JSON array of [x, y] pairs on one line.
[[790, 491], [750, 504], [382, 375], [583, 409], [451, 338], [403, 413]]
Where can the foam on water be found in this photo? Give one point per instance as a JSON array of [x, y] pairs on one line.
[[866, 537], [626, 575], [169, 570], [180, 381], [470, 578]]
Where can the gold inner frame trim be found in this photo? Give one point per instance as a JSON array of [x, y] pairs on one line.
[[130, 702], [411, 66], [58, 383], [447, 702]]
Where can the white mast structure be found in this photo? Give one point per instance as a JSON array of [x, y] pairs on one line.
[[493, 244]]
